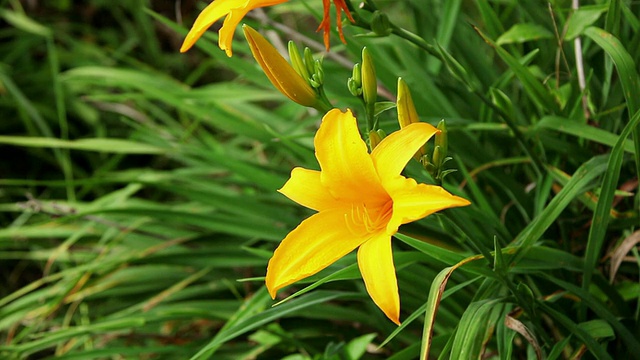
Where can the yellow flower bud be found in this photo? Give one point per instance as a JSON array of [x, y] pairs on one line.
[[281, 74], [375, 137], [407, 113]]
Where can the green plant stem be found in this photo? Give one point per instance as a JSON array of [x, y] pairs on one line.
[[65, 160], [323, 105]]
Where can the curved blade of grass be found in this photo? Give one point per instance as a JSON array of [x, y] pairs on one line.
[[631, 340], [242, 324], [582, 131], [61, 335], [433, 302], [580, 182], [534, 88], [120, 146], [598, 350], [423, 308], [601, 217], [448, 21], [628, 74], [472, 328]]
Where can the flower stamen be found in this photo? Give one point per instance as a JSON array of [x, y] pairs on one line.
[[366, 219]]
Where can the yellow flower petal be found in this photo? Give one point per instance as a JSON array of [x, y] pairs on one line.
[[375, 261], [305, 188], [315, 244], [347, 169], [413, 201], [207, 17], [394, 151], [216, 10], [228, 29]]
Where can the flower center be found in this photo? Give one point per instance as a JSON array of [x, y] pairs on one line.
[[367, 219]]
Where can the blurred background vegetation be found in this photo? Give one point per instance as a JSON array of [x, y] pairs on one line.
[[137, 185]]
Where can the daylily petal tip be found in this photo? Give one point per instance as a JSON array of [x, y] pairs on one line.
[[272, 293], [186, 45]]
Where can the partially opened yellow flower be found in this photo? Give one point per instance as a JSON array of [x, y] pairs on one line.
[[281, 74], [361, 200], [235, 10]]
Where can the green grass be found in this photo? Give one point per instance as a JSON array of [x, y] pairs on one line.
[[138, 202]]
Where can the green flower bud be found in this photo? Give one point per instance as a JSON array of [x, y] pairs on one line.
[[437, 157], [369, 82], [354, 83], [442, 142], [380, 24], [296, 60], [317, 79], [309, 61]]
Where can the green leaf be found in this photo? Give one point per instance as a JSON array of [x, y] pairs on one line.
[[600, 219], [534, 88], [382, 106], [520, 33], [582, 131], [582, 18], [119, 146], [358, 346], [580, 182], [246, 323], [598, 329], [25, 23], [630, 340]]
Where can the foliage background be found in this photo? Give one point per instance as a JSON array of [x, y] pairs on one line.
[[137, 184]]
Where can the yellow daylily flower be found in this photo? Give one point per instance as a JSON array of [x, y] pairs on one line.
[[361, 200], [235, 10]]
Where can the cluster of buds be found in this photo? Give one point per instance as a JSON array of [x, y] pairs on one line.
[[302, 81], [363, 84], [407, 114]]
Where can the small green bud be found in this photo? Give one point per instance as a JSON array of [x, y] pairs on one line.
[[318, 73], [437, 156], [354, 83], [309, 61], [356, 74], [442, 142], [380, 24], [354, 89], [296, 60]]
